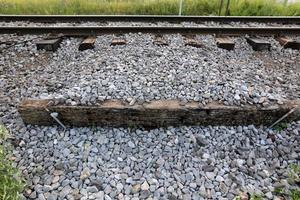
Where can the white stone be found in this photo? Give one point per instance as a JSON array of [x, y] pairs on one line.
[[145, 186]]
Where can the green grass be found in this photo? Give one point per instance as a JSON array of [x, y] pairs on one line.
[[281, 126], [293, 192], [11, 184], [290, 191], [256, 197], [252, 197], [155, 7], [294, 173], [279, 191]]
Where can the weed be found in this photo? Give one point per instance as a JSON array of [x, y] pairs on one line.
[[295, 194], [280, 191], [150, 7], [4, 134], [281, 126], [294, 173], [295, 168], [256, 197], [11, 183], [293, 179]]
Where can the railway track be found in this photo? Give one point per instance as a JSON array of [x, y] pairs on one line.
[[80, 29], [151, 80], [92, 30], [147, 18]]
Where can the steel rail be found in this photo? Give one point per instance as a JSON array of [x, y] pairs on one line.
[[148, 18], [94, 30]]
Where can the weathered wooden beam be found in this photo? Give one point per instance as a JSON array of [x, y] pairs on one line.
[[87, 43], [160, 40], [190, 40], [288, 42], [8, 42], [225, 43], [50, 44], [118, 41], [153, 114], [259, 44]]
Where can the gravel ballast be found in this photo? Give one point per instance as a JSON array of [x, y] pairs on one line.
[[130, 163], [141, 71], [173, 163]]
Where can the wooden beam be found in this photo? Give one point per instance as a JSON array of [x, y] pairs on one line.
[[48, 44], [87, 43], [153, 114], [190, 40], [8, 42], [118, 41], [259, 44], [160, 40], [225, 43], [288, 42], [193, 43]]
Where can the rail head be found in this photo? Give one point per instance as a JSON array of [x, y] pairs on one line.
[[96, 30]]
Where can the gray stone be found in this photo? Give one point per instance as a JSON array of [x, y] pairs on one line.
[[269, 195], [65, 191], [52, 196], [35, 180], [131, 144], [55, 179], [202, 191], [145, 194], [219, 179], [33, 195], [92, 189], [119, 187], [201, 141], [99, 195], [106, 197], [210, 175], [41, 197]]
